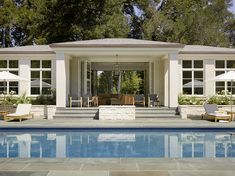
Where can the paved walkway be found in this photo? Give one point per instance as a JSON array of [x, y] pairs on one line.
[[117, 166]]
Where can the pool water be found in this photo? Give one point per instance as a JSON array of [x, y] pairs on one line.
[[116, 143]]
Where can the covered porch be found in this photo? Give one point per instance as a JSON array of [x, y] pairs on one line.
[[79, 63]]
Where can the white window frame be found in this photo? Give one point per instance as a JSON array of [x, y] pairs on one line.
[[41, 69], [225, 69], [8, 69], [193, 70]]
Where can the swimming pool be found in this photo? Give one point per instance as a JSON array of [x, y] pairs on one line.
[[81, 143]]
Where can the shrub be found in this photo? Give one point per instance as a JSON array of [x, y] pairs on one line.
[[45, 99], [221, 98], [189, 100]]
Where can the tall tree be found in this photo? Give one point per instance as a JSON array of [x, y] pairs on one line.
[[190, 22]]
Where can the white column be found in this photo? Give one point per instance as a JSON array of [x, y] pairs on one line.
[[67, 69], [173, 80], [61, 80], [79, 79], [150, 78], [209, 74], [24, 71], [166, 80]]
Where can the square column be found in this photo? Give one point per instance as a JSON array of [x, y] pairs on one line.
[[61, 80], [173, 80], [209, 74], [166, 82], [24, 71]]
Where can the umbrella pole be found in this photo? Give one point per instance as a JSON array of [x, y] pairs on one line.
[[4, 96], [231, 98]]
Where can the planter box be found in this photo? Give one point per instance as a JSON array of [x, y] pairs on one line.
[[187, 111], [117, 112], [43, 111], [38, 111]]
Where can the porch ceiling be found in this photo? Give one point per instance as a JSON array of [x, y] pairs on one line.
[[121, 58], [108, 66]]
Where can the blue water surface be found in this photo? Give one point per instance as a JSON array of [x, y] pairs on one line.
[[149, 143]]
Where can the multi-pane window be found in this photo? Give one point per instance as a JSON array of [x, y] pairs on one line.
[[41, 79], [11, 66], [222, 66], [192, 73]]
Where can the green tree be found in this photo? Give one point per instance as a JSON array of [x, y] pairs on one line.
[[190, 22], [131, 82]]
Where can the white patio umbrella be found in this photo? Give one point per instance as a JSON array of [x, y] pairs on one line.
[[228, 76], [7, 76]]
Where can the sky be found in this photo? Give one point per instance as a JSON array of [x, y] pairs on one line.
[[233, 7]]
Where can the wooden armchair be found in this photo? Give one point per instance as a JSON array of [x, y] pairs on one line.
[[153, 100], [93, 101], [73, 100], [139, 99]]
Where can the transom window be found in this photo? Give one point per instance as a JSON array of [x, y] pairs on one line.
[[222, 66], [41, 79], [11, 66], [192, 73]]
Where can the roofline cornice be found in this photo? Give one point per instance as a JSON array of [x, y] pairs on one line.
[[207, 52], [57, 45]]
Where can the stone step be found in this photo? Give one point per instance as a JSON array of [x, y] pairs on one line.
[[95, 115], [58, 116], [96, 111], [92, 112], [157, 116]]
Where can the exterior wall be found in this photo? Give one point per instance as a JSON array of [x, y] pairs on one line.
[[74, 76], [25, 68], [159, 79], [209, 69]]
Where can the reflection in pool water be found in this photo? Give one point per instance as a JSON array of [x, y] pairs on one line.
[[75, 144]]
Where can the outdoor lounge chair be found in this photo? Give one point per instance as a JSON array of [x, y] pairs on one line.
[[213, 113], [22, 112]]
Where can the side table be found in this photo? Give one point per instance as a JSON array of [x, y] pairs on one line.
[[232, 114], [4, 113]]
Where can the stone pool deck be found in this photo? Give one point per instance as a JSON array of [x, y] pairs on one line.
[[117, 166], [137, 123]]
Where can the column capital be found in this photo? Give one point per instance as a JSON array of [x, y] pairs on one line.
[[173, 56]]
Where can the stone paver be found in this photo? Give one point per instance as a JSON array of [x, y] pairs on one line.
[[110, 167], [78, 173], [201, 173], [51, 166], [13, 173], [141, 173]]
